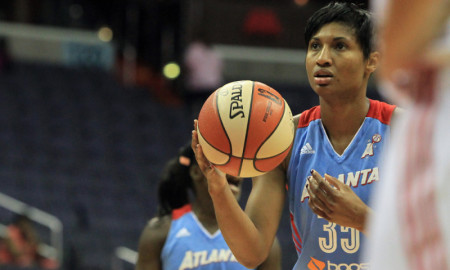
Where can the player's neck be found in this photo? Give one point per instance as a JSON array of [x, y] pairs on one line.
[[206, 215], [342, 121]]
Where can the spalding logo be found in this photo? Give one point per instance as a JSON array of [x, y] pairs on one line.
[[236, 107]]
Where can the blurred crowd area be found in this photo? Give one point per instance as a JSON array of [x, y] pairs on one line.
[[20, 246], [86, 144]]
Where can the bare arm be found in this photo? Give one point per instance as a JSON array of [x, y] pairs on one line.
[[273, 262], [249, 234], [151, 243]]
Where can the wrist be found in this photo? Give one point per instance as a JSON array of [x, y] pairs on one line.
[[362, 224], [215, 188]]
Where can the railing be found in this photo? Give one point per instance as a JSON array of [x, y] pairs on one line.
[[123, 254], [57, 45], [55, 249]]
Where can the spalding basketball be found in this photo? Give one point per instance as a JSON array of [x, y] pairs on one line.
[[245, 128]]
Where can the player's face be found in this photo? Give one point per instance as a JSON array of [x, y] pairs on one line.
[[235, 183], [335, 63]]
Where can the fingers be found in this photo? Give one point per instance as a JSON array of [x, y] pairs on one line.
[[205, 166], [317, 199], [334, 181], [317, 210], [322, 195], [327, 189], [202, 162], [194, 141]]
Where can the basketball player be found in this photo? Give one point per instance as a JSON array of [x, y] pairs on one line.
[[186, 235], [333, 164], [411, 228]]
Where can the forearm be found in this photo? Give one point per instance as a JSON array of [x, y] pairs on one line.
[[248, 234], [244, 239]]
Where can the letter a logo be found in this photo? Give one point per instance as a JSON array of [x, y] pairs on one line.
[[315, 264], [369, 148]]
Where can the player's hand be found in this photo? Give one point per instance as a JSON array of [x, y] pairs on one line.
[[216, 179], [336, 202]]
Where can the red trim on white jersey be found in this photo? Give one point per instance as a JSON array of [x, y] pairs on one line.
[[422, 237]]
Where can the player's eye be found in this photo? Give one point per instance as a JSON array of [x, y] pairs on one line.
[[341, 46], [314, 46]]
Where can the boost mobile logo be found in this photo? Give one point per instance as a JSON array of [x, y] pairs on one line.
[[315, 264]]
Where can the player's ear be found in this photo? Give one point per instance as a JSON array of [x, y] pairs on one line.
[[372, 62]]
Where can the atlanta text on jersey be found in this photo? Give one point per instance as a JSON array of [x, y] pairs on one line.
[[352, 179], [194, 259]]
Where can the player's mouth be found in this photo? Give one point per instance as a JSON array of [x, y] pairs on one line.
[[323, 77]]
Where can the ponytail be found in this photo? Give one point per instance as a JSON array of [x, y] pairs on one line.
[[175, 181]]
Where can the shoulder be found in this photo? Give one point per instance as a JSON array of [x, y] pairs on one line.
[[159, 223], [381, 111], [306, 117], [283, 166], [152, 242], [297, 119], [154, 234], [159, 226]]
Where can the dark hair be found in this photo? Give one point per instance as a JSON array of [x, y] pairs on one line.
[[349, 14], [175, 181]]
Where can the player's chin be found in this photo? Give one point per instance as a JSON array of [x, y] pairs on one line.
[[323, 85], [236, 192], [235, 184]]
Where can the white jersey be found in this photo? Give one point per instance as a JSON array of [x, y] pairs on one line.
[[411, 225]]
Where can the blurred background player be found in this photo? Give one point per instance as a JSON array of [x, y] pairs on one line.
[[20, 246], [411, 228], [185, 234], [341, 139]]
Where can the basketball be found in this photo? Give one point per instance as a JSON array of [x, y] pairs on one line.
[[245, 128]]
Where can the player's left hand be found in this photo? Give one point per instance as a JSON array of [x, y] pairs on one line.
[[336, 202]]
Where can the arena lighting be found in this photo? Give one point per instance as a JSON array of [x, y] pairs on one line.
[[105, 34], [171, 70]]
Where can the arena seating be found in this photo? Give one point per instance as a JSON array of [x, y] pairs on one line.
[[77, 144]]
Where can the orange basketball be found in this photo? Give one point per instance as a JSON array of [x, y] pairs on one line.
[[245, 128]]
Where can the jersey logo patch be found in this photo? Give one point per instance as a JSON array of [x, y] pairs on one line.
[[315, 264], [370, 145], [183, 233], [307, 149]]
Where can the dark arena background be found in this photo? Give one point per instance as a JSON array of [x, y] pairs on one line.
[[95, 99]]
